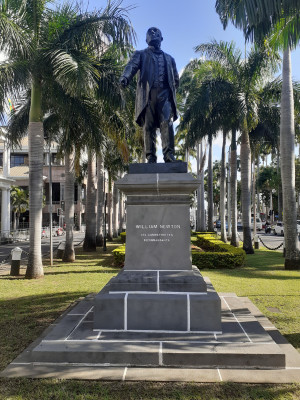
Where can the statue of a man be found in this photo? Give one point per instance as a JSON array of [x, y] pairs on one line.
[[155, 105]]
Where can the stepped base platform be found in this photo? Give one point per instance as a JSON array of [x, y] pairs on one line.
[[249, 349], [179, 301]]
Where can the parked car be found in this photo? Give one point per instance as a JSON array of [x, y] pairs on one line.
[[278, 228], [258, 224]]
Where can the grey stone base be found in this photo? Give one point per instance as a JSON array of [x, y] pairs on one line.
[[158, 301], [250, 349]]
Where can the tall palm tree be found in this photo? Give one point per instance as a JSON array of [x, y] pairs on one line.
[[89, 243], [281, 19], [64, 44], [241, 80]]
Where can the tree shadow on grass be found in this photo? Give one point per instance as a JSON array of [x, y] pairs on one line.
[[261, 265], [98, 271], [23, 319], [95, 390]]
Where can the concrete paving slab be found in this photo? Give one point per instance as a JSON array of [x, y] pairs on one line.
[[64, 327], [240, 355], [96, 352], [260, 376], [84, 332], [81, 308], [64, 372], [172, 375], [156, 336]]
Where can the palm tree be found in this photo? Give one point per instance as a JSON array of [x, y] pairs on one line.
[[241, 80], [280, 18], [19, 201], [58, 53], [89, 243]]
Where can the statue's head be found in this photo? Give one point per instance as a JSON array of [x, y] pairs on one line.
[[154, 37]]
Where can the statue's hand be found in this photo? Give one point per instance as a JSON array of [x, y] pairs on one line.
[[123, 81]]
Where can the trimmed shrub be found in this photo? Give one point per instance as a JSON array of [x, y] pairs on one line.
[[213, 254], [119, 256], [217, 254], [123, 237]]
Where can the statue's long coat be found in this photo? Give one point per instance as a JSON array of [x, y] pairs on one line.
[[143, 61]]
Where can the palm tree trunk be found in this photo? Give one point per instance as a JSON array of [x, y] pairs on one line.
[[223, 191], [36, 149], [246, 190], [279, 190], [100, 200], [90, 208], [257, 174], [109, 215], [121, 212], [287, 152], [254, 194], [79, 207], [115, 211], [233, 182], [69, 253], [210, 201]]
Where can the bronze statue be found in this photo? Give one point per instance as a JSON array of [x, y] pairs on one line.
[[155, 105]]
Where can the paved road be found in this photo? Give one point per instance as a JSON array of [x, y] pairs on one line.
[[269, 240], [5, 249]]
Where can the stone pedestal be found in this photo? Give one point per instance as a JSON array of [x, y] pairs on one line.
[[158, 289]]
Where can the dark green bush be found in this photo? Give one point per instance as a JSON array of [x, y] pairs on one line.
[[217, 254], [123, 237], [119, 256]]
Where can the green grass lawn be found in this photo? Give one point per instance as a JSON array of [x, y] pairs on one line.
[[29, 306]]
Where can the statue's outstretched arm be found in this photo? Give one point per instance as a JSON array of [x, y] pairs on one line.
[[131, 68]]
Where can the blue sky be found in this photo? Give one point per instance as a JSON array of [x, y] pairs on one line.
[[184, 24]]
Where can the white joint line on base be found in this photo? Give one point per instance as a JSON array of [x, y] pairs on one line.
[[79, 323], [158, 293], [124, 374], [188, 312], [150, 341], [220, 376], [125, 311], [215, 336], [238, 321], [98, 336], [67, 364], [156, 331], [155, 270], [158, 281], [160, 354]]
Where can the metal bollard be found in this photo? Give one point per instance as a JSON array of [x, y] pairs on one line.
[[256, 242], [16, 254], [61, 249]]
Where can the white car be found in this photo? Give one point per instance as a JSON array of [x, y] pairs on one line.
[[278, 228], [258, 224]]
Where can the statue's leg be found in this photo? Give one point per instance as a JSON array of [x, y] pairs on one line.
[[149, 129], [166, 125]]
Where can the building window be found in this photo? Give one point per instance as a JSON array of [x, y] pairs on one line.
[[15, 161]]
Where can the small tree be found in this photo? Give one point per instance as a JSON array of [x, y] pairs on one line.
[[20, 203]]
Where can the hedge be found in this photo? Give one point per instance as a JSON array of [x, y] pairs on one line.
[[217, 254], [119, 256], [123, 237]]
